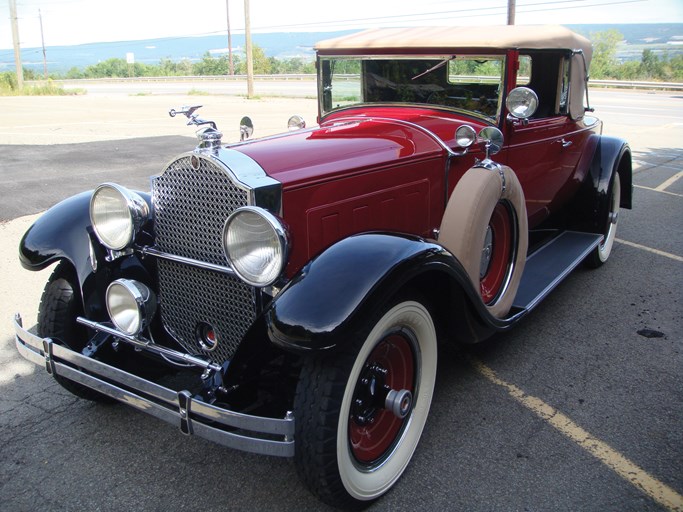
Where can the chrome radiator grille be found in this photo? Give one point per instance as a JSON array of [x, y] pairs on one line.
[[190, 209]]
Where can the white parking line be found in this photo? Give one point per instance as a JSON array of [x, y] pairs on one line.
[[629, 471], [653, 165], [670, 181], [655, 190], [674, 257]]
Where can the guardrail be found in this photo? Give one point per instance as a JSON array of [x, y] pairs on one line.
[[620, 84], [203, 78]]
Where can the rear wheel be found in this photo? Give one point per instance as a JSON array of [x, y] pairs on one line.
[[360, 412], [602, 252], [59, 307]]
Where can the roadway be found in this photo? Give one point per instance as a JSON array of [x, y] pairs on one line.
[[579, 408]]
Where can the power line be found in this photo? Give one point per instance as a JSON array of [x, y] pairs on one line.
[[422, 17]]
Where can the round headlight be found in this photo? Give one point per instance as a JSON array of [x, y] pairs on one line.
[[116, 215], [522, 102], [465, 136], [255, 245], [131, 305]]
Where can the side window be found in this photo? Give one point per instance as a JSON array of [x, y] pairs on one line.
[[563, 104], [524, 70], [549, 79]]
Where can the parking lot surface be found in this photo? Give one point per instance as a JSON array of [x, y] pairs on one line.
[[579, 408]]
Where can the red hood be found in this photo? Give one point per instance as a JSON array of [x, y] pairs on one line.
[[339, 147]]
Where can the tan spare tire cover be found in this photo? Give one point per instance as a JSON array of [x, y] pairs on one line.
[[466, 220]]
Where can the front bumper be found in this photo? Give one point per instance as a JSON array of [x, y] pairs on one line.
[[256, 434]]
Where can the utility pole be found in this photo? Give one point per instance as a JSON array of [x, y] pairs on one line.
[[232, 66], [42, 39], [250, 60], [511, 12], [15, 39]]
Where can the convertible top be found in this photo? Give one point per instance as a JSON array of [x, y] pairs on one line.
[[531, 37], [445, 40]]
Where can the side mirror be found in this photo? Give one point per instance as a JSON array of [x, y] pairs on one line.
[[246, 128], [522, 103], [493, 138], [296, 122]]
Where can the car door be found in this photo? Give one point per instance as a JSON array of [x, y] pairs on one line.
[[544, 151]]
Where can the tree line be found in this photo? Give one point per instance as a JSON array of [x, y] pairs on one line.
[[209, 65], [605, 65]]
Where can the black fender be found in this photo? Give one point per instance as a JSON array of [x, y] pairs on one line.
[[335, 294], [64, 233], [611, 155]]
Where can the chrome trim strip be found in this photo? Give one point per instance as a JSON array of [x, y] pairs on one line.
[[158, 401], [151, 251]]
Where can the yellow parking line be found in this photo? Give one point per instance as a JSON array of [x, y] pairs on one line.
[[650, 249], [629, 471]]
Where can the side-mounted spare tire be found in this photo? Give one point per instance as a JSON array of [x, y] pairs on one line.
[[485, 227]]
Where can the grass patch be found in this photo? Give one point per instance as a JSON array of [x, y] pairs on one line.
[[197, 92], [48, 88]]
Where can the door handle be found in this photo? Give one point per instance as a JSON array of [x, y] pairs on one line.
[[565, 143]]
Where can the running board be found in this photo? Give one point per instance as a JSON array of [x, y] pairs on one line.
[[547, 267]]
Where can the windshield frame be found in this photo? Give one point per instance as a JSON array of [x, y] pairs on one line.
[[492, 115]]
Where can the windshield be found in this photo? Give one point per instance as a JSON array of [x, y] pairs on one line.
[[463, 82]]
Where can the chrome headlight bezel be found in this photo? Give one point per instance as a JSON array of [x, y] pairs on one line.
[[256, 245], [465, 136], [131, 305], [117, 215]]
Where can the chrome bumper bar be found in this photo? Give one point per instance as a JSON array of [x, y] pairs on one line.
[[267, 436]]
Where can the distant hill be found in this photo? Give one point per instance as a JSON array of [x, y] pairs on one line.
[[660, 37], [151, 51], [637, 34]]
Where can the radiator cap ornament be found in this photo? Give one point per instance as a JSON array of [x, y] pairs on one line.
[[209, 137]]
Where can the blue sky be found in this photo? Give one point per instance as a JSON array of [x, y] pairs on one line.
[[68, 22]]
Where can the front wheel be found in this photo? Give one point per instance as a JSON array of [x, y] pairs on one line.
[[360, 411], [59, 307]]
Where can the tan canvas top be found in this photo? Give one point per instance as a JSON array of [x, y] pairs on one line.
[[530, 37]]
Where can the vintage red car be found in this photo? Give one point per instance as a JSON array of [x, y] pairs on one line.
[[299, 283]]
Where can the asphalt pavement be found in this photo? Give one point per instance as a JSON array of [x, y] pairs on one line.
[[578, 408]]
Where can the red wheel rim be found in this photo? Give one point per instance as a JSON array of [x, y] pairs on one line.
[[371, 441], [495, 277]]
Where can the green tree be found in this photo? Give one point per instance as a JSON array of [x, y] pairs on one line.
[[262, 64], [75, 73], [107, 69], [604, 63], [649, 64], [210, 65]]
